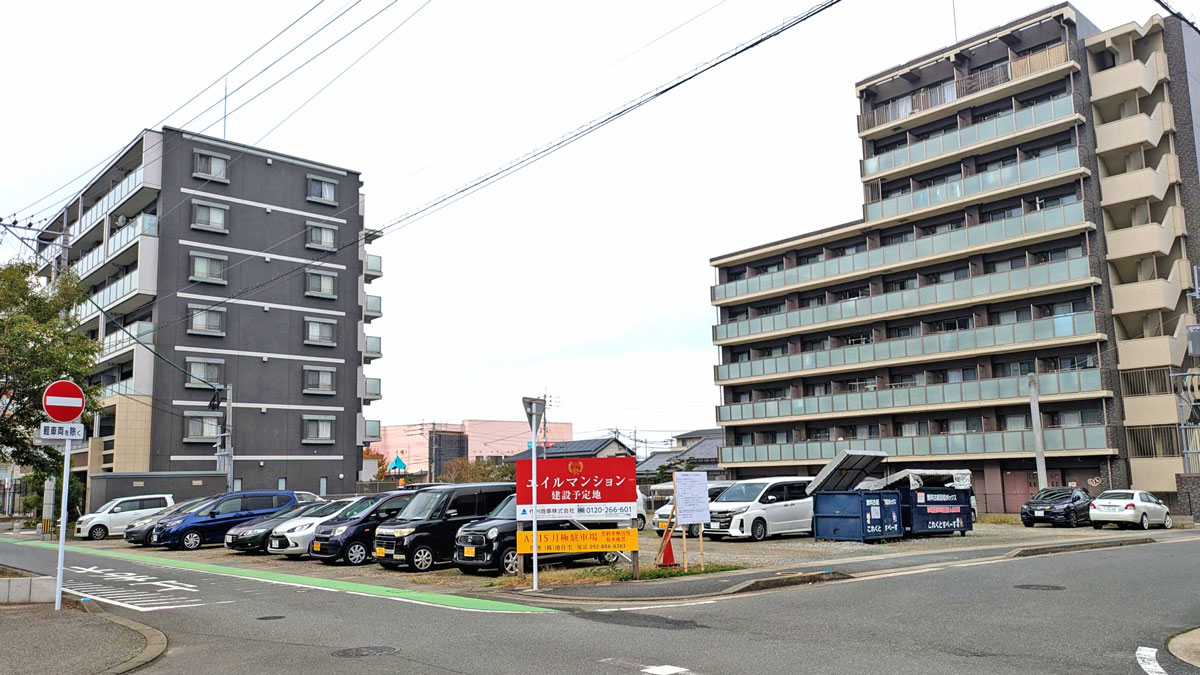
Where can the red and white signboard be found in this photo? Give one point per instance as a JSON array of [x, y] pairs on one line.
[[579, 488], [63, 401]]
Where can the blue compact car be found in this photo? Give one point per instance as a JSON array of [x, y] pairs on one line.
[[209, 523]]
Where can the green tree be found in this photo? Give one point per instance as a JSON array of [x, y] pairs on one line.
[[478, 471], [39, 344]]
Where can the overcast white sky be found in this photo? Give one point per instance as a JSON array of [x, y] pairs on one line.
[[585, 275]]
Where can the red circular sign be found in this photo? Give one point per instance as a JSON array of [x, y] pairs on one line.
[[63, 401]]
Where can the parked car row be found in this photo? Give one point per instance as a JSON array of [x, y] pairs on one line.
[[1073, 506]]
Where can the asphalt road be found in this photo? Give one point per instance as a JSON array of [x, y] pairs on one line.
[[959, 618]]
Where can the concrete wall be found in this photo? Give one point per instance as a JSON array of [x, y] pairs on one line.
[[1188, 494], [180, 485]]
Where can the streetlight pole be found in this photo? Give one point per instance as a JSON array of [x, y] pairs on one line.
[[1039, 441]]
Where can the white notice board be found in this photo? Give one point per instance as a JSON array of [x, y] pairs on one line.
[[691, 497]]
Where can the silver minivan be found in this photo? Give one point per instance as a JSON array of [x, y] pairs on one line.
[[757, 508]]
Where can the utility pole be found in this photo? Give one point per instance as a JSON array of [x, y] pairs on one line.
[[1039, 442], [229, 437]]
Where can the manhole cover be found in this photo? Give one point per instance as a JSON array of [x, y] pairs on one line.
[[359, 652], [269, 618], [1040, 587]]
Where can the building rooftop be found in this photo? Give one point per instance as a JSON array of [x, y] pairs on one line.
[[585, 448]]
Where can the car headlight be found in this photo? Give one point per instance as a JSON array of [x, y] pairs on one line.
[[251, 533], [302, 528], [83, 521], [172, 523], [740, 509], [337, 532], [139, 523], [403, 531], [493, 533]]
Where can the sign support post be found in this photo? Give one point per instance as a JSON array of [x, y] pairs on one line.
[[62, 526], [701, 547], [63, 402], [534, 409], [633, 556]]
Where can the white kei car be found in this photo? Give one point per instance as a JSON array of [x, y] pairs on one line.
[[1129, 508], [291, 538]]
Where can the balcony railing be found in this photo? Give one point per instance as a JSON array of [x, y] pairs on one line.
[[123, 387], [374, 306], [1008, 123], [1000, 388], [949, 91], [978, 184], [1061, 439], [88, 262], [909, 251], [373, 387], [118, 339], [1023, 333], [146, 223], [371, 429], [108, 295], [374, 265], [374, 348], [982, 286], [100, 208]]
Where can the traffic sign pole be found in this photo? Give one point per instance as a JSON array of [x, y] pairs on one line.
[[62, 526], [63, 402]]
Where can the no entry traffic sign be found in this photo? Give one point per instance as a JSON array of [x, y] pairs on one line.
[[63, 401]]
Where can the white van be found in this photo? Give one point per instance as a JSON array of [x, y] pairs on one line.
[[116, 514], [760, 507]]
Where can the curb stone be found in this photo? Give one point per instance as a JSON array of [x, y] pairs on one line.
[[156, 641]]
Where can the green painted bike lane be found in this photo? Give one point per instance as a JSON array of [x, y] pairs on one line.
[[420, 597]]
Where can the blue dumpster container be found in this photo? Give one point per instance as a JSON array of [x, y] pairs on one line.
[[936, 510], [857, 515]]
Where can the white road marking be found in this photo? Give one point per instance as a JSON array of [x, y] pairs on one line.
[[1147, 658], [665, 670], [645, 607], [981, 562]]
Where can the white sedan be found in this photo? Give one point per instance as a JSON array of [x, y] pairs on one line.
[[1129, 508], [291, 538]]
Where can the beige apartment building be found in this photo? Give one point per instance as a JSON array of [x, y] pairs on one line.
[[1026, 202]]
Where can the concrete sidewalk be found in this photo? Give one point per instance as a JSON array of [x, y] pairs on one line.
[[1186, 647], [70, 642], [702, 585]]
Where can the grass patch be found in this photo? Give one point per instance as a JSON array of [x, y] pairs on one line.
[[595, 575], [999, 519]]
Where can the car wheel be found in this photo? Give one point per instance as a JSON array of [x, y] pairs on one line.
[[355, 553], [1097, 526], [1072, 519], [693, 530], [191, 540], [758, 530], [1167, 522], [974, 516], [1027, 523], [658, 533], [609, 558], [1144, 523], [98, 533], [510, 562], [641, 520], [421, 559]]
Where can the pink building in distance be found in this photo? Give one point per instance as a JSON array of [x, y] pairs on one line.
[[418, 445]]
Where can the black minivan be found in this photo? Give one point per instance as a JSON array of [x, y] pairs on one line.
[[348, 537], [423, 533]]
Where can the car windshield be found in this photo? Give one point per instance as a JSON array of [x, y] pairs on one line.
[[293, 510], [1115, 495], [328, 509], [505, 510], [741, 492], [106, 506], [361, 507], [1052, 493], [424, 505], [192, 507]]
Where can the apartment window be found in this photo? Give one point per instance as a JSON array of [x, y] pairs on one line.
[[1051, 202], [1075, 418], [1014, 369], [768, 269], [782, 436], [208, 268], [809, 258], [947, 276], [1006, 265], [897, 191], [237, 484], [897, 238], [771, 309], [1074, 362], [735, 275], [741, 397], [857, 338], [321, 285], [1062, 253], [960, 375], [210, 217], [211, 166], [744, 439], [202, 372], [318, 429], [999, 164], [818, 434], [1010, 316], [949, 325], [739, 357], [861, 384], [1001, 214], [1017, 422], [914, 428], [206, 320], [812, 301], [862, 431], [968, 425], [322, 236], [906, 380], [852, 293], [944, 227], [899, 285], [777, 350], [738, 314], [281, 483], [319, 332], [817, 389], [848, 249], [322, 190], [772, 393], [202, 426], [894, 332], [819, 345], [319, 380], [322, 486], [1061, 308]]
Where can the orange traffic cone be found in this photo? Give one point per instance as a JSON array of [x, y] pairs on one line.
[[668, 557]]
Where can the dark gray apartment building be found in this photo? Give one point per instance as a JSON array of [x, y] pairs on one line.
[[245, 268], [1025, 201]]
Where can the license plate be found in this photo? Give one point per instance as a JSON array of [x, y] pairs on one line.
[[662, 524], [1108, 508], [714, 526], [468, 551], [1039, 514], [316, 546], [379, 552]]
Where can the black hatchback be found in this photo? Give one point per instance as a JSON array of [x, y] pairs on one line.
[[423, 533], [348, 537], [1058, 506]]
